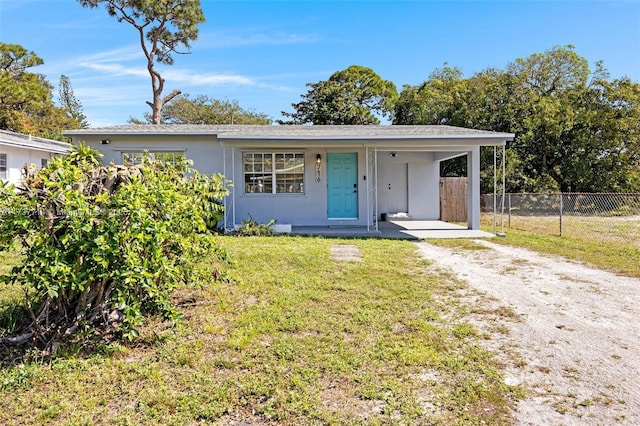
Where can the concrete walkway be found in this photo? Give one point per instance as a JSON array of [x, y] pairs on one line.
[[403, 229]]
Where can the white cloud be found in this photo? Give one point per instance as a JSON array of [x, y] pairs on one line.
[[209, 79], [121, 54], [12, 5], [190, 78], [74, 24], [172, 75], [115, 70], [219, 39], [116, 63], [112, 96], [72, 65]]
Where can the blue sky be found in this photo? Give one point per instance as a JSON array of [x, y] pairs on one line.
[[262, 53]]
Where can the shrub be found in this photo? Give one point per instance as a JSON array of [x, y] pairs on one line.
[[104, 246], [251, 228], [207, 193]]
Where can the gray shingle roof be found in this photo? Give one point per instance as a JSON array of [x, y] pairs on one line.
[[266, 132], [32, 142]]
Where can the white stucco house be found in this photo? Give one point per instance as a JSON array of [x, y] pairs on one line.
[[17, 149], [313, 175]]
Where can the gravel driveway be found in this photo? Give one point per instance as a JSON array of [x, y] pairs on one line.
[[573, 341]]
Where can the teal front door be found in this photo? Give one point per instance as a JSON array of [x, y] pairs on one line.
[[342, 186]]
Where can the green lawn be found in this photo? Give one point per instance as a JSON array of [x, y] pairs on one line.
[[298, 338], [11, 297]]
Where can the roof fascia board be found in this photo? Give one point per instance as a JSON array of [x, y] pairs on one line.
[[93, 134], [372, 138], [374, 143], [51, 148], [489, 138]]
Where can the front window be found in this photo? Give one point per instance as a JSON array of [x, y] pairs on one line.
[[131, 158], [3, 166], [273, 173]]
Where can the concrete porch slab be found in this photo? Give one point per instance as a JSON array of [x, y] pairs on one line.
[[411, 230], [337, 231], [423, 229]]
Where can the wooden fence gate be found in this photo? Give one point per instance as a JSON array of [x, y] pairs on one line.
[[453, 199]]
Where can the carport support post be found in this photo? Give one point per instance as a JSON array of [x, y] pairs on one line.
[[375, 184], [495, 188], [473, 188], [224, 173], [366, 174]]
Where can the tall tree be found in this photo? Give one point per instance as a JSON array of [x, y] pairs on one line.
[[203, 109], [547, 87], [164, 27], [355, 95], [576, 130], [70, 103], [604, 153], [26, 104], [21, 91], [436, 101]]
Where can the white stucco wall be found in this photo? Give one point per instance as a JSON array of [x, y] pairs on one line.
[[308, 209], [205, 152], [18, 157], [423, 183], [207, 155]]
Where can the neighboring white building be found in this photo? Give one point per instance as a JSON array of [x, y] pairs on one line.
[[17, 149], [313, 175]]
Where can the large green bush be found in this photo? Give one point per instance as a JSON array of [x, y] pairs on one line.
[[104, 246]]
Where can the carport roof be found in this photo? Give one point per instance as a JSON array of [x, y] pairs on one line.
[[239, 133]]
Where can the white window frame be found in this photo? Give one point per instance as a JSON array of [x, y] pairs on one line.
[[273, 175], [3, 167]]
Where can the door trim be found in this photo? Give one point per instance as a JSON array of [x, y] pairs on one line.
[[350, 155]]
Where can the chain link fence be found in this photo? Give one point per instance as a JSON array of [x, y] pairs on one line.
[[599, 217]]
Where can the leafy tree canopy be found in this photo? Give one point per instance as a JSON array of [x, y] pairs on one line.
[[164, 28], [355, 95], [203, 109], [576, 130], [433, 102], [26, 104]]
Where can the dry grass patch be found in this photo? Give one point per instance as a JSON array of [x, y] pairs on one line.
[[606, 242]]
